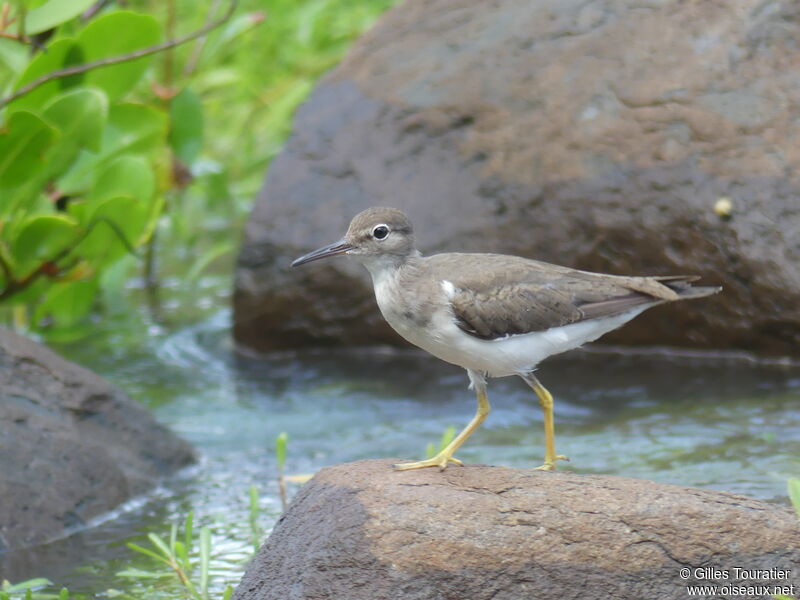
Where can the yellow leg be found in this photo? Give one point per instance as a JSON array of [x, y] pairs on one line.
[[546, 401], [445, 457]]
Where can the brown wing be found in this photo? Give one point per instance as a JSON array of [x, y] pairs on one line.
[[511, 295]]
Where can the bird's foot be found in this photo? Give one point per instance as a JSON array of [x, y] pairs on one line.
[[441, 460], [550, 465]]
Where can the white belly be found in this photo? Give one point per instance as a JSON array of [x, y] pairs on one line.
[[511, 355]]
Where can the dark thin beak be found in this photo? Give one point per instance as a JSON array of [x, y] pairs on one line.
[[333, 249]]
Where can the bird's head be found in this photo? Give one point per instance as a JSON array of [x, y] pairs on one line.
[[377, 237]]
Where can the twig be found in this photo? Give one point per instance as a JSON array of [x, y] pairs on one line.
[[50, 267], [169, 55], [113, 60], [93, 10], [197, 50], [14, 37], [23, 12]]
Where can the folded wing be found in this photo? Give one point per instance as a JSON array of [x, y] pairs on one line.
[[512, 296]]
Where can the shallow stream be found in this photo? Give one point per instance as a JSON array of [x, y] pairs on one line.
[[711, 422]]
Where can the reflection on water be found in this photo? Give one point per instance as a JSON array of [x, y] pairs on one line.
[[722, 424]]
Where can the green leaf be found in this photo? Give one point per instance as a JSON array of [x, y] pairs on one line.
[[186, 118], [210, 255], [173, 537], [430, 450], [447, 437], [23, 149], [13, 56], [794, 494], [205, 559], [40, 239], [67, 303], [280, 113], [25, 585], [146, 552], [80, 116], [280, 449], [60, 54], [131, 129], [188, 529], [181, 552], [159, 543], [114, 34], [30, 295], [113, 279], [111, 218], [53, 13], [134, 573], [127, 176], [134, 128], [254, 505]]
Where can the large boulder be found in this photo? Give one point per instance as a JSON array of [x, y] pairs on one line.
[[600, 135], [363, 531], [72, 446]]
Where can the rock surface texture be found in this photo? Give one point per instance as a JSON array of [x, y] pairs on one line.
[[598, 134], [72, 446], [363, 531]]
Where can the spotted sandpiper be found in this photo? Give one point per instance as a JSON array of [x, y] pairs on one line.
[[492, 314]]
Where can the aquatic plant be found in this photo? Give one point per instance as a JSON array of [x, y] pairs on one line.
[[125, 131]]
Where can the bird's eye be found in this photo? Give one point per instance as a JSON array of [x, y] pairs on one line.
[[380, 232]]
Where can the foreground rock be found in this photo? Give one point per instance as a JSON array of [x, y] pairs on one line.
[[598, 135], [362, 531], [72, 446]]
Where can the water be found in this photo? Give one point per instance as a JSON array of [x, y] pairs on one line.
[[719, 423]]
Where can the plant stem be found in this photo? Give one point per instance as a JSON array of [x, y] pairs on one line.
[[114, 60]]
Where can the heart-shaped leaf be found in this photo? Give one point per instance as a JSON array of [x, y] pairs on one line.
[[114, 34], [23, 149]]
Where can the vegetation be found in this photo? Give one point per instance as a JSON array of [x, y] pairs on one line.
[[134, 135], [133, 130], [181, 564], [448, 436]]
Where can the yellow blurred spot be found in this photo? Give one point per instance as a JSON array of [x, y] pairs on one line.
[[723, 207], [299, 478]]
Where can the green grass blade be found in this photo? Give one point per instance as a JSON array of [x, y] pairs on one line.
[[188, 530], [182, 554], [280, 449], [254, 506], [447, 437], [205, 560], [173, 538], [159, 543], [25, 585], [430, 450], [147, 552], [794, 494], [133, 573]]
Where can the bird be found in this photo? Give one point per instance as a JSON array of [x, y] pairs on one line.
[[495, 315]]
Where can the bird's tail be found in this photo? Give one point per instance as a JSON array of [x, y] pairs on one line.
[[682, 285]]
